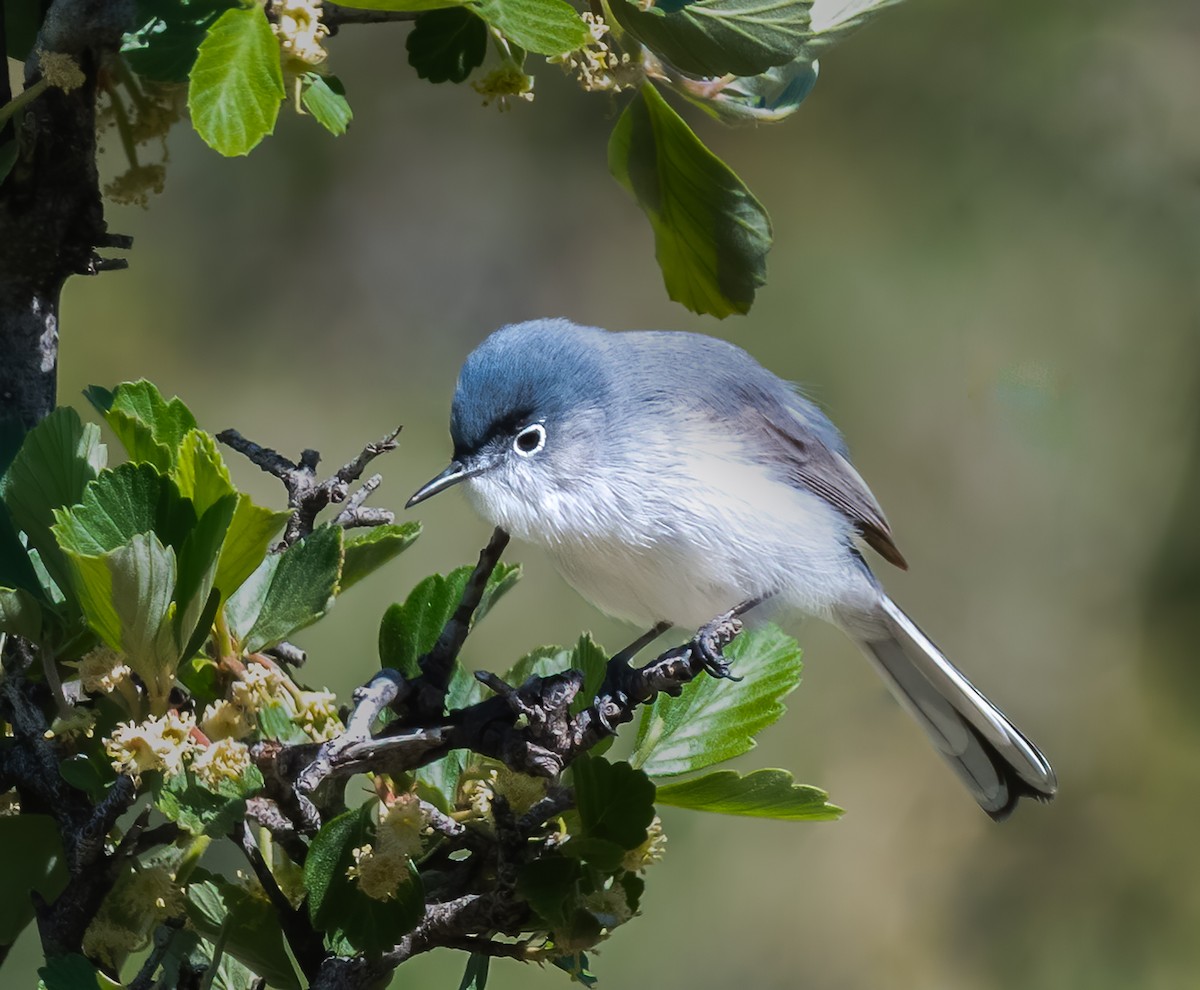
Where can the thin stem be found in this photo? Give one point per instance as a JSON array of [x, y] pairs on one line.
[[28, 95]]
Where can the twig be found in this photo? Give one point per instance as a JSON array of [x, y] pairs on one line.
[[438, 664], [303, 939], [335, 15], [307, 496]]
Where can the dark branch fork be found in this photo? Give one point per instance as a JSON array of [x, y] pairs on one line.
[[307, 496]]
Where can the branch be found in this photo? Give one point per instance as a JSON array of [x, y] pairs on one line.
[[307, 496], [334, 15]]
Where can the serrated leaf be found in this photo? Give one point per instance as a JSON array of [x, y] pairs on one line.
[[150, 428], [126, 598], [615, 802], [73, 972], [711, 234], [546, 27], [252, 933], [719, 37], [58, 459], [236, 84], [761, 794], [200, 809], [410, 629], [288, 591], [715, 720], [199, 471], [117, 506], [31, 858], [370, 551], [325, 98], [447, 45]]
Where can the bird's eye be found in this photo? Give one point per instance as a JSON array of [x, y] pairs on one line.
[[530, 440]]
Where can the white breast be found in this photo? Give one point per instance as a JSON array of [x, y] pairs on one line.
[[701, 533]]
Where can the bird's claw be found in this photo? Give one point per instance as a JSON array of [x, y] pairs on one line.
[[709, 644]]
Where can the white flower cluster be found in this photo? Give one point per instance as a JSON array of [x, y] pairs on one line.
[[381, 867]]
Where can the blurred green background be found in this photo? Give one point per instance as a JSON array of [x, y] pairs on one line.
[[987, 224]]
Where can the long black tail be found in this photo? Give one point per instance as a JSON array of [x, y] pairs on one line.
[[993, 757]]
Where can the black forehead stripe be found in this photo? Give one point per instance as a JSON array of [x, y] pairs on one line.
[[504, 426]]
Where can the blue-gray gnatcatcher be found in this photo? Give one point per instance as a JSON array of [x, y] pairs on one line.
[[671, 477]]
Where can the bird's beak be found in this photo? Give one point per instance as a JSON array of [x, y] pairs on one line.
[[456, 472]]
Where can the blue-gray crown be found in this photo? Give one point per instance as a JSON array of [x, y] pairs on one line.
[[523, 372]]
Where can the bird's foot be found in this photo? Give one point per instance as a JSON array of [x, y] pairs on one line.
[[711, 639]]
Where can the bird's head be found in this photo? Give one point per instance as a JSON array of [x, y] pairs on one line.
[[527, 421]]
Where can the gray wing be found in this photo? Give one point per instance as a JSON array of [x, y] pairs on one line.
[[722, 380], [825, 472]]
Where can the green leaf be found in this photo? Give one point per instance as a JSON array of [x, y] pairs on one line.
[[447, 45], [475, 976], [83, 774], [31, 858], [199, 471], [276, 722], [198, 570], [117, 506], [370, 551], [587, 656], [325, 98], [761, 794], [832, 20], [410, 630], [546, 885], [768, 97], [252, 933], [201, 810], [336, 904], [126, 598], [246, 544], [149, 427], [714, 720], [329, 849], [547, 27], [616, 806], [236, 86], [164, 46], [719, 37], [288, 591], [58, 459], [73, 972], [711, 235], [20, 614]]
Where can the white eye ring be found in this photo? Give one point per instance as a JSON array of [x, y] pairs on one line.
[[530, 440]]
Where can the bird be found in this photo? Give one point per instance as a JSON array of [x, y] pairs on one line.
[[670, 477]]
